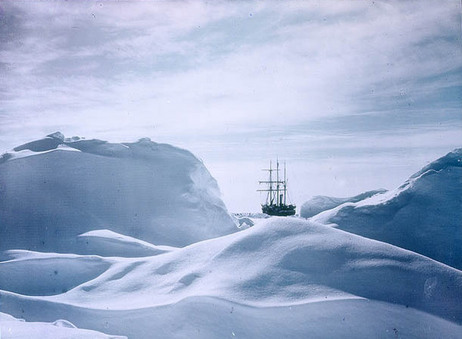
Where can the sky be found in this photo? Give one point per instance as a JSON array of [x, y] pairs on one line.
[[353, 95]]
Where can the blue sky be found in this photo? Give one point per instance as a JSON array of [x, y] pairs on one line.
[[354, 95]]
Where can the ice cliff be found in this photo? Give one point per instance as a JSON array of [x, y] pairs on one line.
[[54, 189]]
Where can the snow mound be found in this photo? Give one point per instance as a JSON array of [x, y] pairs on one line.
[[53, 189], [251, 215], [110, 244], [322, 203], [52, 273], [109, 204], [60, 329], [241, 221], [305, 272], [423, 215]]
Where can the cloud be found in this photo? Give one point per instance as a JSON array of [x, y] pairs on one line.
[[333, 45], [193, 67]]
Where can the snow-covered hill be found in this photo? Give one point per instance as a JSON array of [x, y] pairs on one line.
[[322, 203], [423, 215], [282, 277], [53, 189], [86, 226]]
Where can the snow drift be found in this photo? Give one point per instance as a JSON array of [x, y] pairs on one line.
[[112, 209], [60, 329], [322, 203], [283, 277], [423, 215], [53, 189]]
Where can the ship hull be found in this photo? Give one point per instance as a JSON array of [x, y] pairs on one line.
[[278, 210]]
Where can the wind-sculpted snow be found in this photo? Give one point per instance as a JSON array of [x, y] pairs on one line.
[[322, 203], [110, 244], [211, 318], [53, 189], [283, 277], [59, 329], [111, 209], [31, 273], [423, 215]]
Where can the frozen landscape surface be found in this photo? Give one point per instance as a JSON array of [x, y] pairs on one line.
[[423, 215], [54, 189], [272, 278], [322, 203], [18, 328]]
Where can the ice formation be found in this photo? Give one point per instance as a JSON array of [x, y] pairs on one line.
[[423, 215], [279, 278], [119, 271], [59, 329], [322, 203], [53, 189]]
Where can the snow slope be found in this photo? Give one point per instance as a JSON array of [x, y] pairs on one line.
[[53, 189], [283, 277], [86, 227], [60, 329], [322, 203], [110, 244], [423, 215]]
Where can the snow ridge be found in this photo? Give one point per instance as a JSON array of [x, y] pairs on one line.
[[65, 187], [423, 215], [112, 209], [322, 203]]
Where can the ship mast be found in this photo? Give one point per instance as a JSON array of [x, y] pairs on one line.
[[277, 183], [273, 192], [270, 194], [285, 183]]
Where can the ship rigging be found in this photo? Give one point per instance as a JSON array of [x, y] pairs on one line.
[[276, 198]]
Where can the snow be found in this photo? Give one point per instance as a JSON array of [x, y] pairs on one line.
[[108, 243], [153, 192], [322, 203], [132, 239], [59, 329], [52, 273], [423, 215], [243, 220], [311, 273]]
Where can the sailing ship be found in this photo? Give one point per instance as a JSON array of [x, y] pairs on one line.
[[276, 198]]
